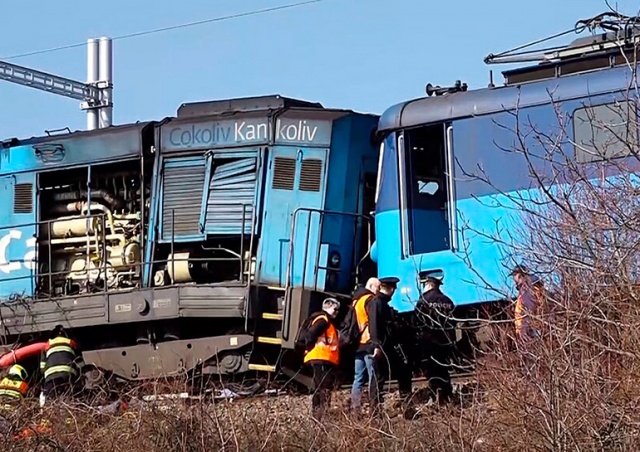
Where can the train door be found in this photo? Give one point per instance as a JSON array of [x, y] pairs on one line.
[[295, 190], [17, 236]]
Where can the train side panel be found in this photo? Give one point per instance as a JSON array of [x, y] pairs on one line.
[[493, 182], [18, 236], [348, 222]]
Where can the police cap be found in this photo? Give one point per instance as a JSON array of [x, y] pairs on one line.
[[433, 276], [390, 281]]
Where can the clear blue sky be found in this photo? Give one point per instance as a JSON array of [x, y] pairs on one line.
[[359, 54]]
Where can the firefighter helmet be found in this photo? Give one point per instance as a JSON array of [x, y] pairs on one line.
[[18, 371]]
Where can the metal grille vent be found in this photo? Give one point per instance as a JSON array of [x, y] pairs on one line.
[[310, 175], [23, 198], [284, 173], [183, 189]]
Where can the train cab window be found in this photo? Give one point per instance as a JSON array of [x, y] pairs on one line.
[[606, 131], [426, 189]]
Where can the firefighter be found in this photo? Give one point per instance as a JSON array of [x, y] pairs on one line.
[[323, 355], [61, 365], [373, 314], [13, 387], [434, 311]]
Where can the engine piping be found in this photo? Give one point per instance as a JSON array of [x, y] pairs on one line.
[[108, 198]]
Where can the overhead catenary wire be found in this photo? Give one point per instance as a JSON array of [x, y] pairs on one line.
[[169, 28]]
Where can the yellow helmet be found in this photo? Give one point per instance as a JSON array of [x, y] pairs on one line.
[[18, 371]]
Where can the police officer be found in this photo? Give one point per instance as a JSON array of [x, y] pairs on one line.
[[61, 364], [323, 355], [434, 312]]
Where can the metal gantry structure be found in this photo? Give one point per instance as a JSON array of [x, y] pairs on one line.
[[96, 95]]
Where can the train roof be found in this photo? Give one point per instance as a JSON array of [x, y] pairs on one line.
[[193, 110], [243, 105], [588, 66], [13, 142], [459, 105], [255, 106]]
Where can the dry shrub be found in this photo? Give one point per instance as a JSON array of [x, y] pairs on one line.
[[265, 424], [576, 386]]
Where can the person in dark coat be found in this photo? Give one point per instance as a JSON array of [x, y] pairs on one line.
[[373, 314], [434, 311]]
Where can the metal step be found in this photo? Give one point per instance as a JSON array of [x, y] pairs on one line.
[[270, 340], [271, 316], [262, 367]]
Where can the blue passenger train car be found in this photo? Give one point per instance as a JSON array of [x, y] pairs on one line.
[[453, 170], [198, 242]]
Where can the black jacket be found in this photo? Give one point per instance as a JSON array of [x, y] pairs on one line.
[[316, 330], [434, 311], [379, 314]]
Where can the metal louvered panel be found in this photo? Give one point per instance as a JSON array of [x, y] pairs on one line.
[[284, 173], [183, 187], [232, 192], [23, 198], [310, 175]]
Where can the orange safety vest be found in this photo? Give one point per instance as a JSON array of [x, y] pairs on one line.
[[522, 313], [360, 306], [327, 345]]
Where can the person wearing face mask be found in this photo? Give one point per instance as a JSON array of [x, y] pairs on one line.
[[323, 355]]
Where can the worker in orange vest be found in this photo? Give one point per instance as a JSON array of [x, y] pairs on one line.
[[526, 303], [323, 355], [373, 314]]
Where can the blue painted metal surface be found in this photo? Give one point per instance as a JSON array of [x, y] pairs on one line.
[[17, 236], [182, 199], [492, 184], [287, 191], [152, 221], [232, 192], [352, 157]]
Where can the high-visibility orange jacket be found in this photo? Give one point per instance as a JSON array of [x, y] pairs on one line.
[[327, 345]]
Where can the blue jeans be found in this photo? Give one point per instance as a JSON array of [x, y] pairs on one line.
[[364, 367]]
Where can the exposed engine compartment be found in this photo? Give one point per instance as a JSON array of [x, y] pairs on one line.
[[90, 234]]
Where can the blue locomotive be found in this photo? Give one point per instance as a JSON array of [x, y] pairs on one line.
[[171, 246], [459, 166]]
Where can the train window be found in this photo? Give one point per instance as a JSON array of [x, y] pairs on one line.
[[425, 154], [607, 131], [23, 198]]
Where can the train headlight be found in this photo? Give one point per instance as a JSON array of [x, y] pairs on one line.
[[334, 259]]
